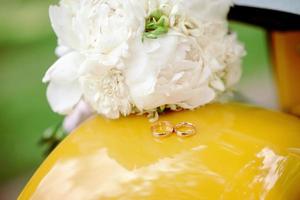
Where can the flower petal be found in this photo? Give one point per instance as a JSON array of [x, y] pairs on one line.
[[62, 50], [81, 112], [210, 10], [145, 65], [63, 97], [61, 20], [199, 97], [65, 69]]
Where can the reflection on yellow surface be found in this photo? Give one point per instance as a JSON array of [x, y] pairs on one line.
[[239, 152]]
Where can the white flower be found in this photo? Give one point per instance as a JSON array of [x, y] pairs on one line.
[[179, 77], [72, 79], [107, 93], [185, 15], [97, 28], [64, 91], [89, 31], [108, 61], [190, 66]]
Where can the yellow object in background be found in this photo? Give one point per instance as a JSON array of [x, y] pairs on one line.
[[239, 152], [286, 53]]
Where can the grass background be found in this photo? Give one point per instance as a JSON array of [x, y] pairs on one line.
[[26, 50]]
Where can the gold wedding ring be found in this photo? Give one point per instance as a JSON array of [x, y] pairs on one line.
[[162, 129], [185, 129]]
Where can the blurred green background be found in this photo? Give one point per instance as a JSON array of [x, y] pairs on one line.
[[26, 51], [27, 46]]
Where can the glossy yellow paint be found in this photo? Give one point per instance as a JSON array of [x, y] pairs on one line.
[[239, 152]]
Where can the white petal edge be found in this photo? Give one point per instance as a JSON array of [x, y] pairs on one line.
[[65, 68], [61, 20], [63, 97], [201, 96]]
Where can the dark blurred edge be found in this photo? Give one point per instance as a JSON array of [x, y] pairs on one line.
[[269, 19]]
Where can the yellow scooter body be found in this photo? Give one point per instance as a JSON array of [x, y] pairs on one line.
[[239, 152]]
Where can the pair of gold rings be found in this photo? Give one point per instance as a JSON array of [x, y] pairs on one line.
[[164, 129]]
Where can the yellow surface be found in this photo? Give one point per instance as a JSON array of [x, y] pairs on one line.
[[286, 53], [239, 152]]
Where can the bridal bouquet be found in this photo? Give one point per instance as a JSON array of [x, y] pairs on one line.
[[122, 57]]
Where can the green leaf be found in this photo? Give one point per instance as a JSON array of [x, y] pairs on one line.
[[52, 137], [156, 25], [156, 14]]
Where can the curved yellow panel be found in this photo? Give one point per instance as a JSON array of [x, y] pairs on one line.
[[239, 152]]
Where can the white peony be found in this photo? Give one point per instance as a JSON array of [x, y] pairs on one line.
[[105, 90], [188, 15], [127, 56], [191, 65], [90, 32], [179, 77], [99, 29]]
